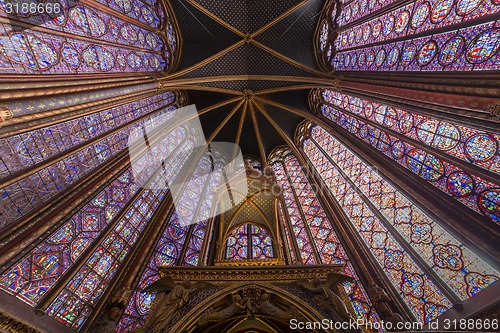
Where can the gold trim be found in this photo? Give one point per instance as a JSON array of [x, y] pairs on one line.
[[277, 19], [48, 31], [215, 18], [257, 134], [273, 273], [290, 60], [240, 130], [5, 113], [304, 114], [224, 122], [245, 77], [250, 262], [14, 326], [15, 90]]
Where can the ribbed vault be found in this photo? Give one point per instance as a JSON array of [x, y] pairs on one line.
[[247, 63]]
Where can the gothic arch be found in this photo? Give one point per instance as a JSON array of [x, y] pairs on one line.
[[189, 320]]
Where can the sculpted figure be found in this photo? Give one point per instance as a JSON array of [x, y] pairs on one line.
[[267, 308], [327, 299], [237, 307], [108, 323], [168, 306], [388, 315]]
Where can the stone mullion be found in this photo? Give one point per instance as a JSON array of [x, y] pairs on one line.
[[25, 235], [134, 259], [368, 270], [469, 167], [59, 286], [145, 250], [429, 32], [249, 241], [303, 217], [468, 118], [213, 246], [209, 235], [293, 239], [469, 227], [189, 234], [17, 176], [30, 122], [431, 274], [155, 137], [196, 214]]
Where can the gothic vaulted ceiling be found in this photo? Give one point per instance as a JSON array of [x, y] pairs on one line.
[[248, 66]]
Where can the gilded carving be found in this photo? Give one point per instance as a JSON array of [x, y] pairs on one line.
[[107, 324], [251, 300], [251, 262], [168, 303], [11, 325], [382, 304], [328, 299], [494, 109], [193, 297], [235, 308], [5, 113]]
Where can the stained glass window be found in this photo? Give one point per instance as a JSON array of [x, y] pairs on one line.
[[398, 233], [397, 133], [89, 140], [78, 298], [399, 22], [55, 255], [470, 48], [177, 236], [201, 185], [249, 241], [84, 39], [167, 253], [33, 276], [312, 230]]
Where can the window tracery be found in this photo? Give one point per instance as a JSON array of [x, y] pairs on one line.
[[33, 147], [397, 232], [359, 47], [362, 117], [249, 241], [83, 38], [312, 230]]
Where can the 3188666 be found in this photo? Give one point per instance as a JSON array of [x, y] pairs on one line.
[[27, 7]]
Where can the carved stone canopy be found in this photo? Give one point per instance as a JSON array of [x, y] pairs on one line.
[[276, 273], [246, 298]]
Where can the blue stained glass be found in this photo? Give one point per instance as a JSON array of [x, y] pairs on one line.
[[446, 255], [465, 143], [37, 146], [484, 46], [329, 247], [489, 202]]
